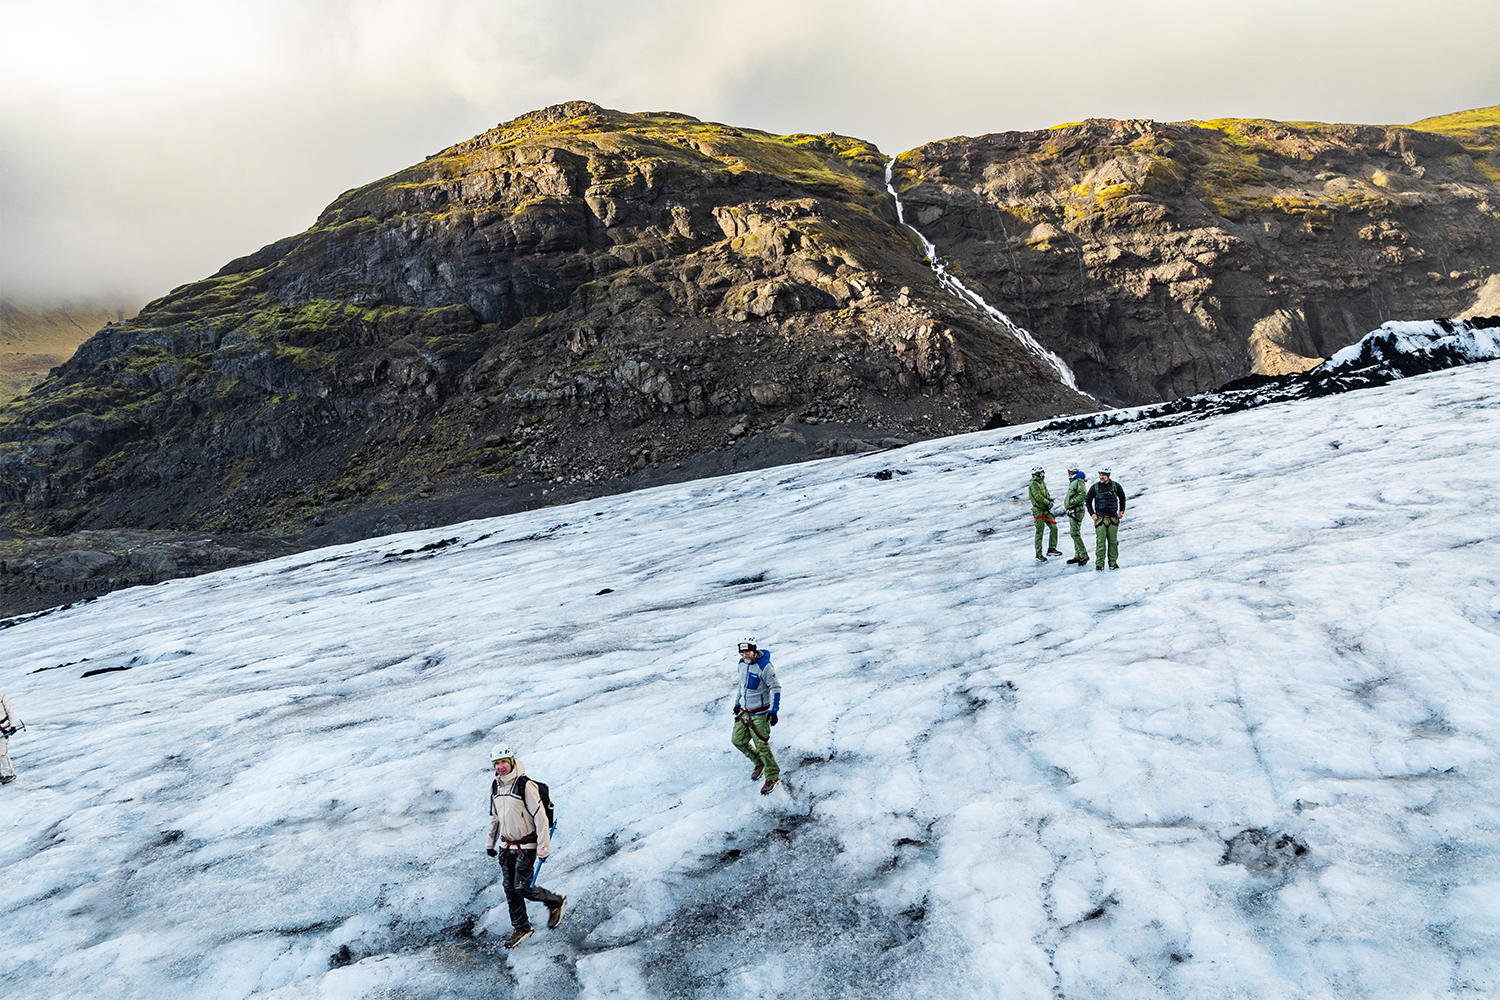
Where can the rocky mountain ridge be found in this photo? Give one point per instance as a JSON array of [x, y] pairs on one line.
[[1161, 260], [582, 300]]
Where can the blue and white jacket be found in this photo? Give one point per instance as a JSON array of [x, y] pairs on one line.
[[759, 691]]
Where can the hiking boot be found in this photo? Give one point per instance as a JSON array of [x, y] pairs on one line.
[[1041, 558], [517, 936], [554, 914], [1113, 566], [770, 784], [6, 781], [1054, 552], [1100, 567], [759, 770]]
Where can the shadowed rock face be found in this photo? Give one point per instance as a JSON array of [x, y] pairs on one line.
[[575, 295], [580, 298], [46, 572], [1161, 260]]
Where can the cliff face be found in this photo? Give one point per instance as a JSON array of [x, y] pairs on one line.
[[1160, 260], [580, 296]]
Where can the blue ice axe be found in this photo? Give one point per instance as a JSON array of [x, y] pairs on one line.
[[536, 868]]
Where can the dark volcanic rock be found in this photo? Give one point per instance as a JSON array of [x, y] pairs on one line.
[[46, 572]]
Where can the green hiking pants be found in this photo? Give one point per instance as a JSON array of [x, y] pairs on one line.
[[1075, 528], [753, 739], [1107, 532], [1042, 521]]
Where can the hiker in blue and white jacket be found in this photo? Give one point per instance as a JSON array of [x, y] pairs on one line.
[[756, 703]]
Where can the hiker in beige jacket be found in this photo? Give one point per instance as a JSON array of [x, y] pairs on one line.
[[519, 828], [8, 724]]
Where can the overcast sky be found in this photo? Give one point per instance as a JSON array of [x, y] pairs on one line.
[[144, 143]]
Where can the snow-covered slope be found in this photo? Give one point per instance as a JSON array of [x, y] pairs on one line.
[[1259, 761]]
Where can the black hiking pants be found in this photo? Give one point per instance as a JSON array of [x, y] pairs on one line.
[[517, 866]]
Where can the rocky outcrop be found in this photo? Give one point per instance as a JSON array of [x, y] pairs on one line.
[[1160, 259], [45, 572]]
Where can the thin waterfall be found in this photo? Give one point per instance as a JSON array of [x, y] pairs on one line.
[[953, 285]]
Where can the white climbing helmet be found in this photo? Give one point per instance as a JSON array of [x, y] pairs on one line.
[[502, 751], [1036, 469], [1104, 471], [1072, 468], [747, 644]]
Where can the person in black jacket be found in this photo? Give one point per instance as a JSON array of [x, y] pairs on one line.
[[1106, 502]]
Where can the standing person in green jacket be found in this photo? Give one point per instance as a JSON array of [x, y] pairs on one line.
[[1075, 504], [1041, 513], [1106, 501]]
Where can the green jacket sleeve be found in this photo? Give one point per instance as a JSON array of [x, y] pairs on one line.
[[1077, 493], [1041, 499]]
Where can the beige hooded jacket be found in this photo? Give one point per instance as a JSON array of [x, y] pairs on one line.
[[8, 720], [513, 820]]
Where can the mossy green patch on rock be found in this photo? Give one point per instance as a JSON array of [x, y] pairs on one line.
[[1478, 131]]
